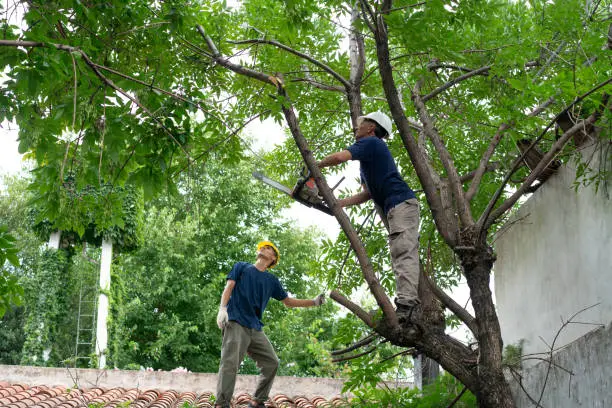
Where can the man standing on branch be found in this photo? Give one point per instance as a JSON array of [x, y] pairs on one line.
[[247, 292], [382, 182]]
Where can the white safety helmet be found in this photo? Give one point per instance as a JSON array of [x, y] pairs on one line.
[[383, 120]]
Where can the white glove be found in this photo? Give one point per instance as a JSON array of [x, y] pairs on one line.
[[319, 300], [222, 317]]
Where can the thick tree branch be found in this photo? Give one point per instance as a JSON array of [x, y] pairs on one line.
[[284, 47], [463, 208], [354, 308], [453, 306], [454, 82], [357, 67]]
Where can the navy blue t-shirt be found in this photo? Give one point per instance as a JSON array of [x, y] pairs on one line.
[[379, 172], [251, 294]]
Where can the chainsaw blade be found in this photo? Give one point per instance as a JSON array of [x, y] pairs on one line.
[[297, 194]]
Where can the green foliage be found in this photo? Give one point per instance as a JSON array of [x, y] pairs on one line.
[[165, 295], [89, 215], [513, 355], [10, 290], [12, 335], [437, 395], [48, 290]]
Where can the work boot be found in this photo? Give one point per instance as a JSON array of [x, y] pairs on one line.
[[256, 405], [408, 314]]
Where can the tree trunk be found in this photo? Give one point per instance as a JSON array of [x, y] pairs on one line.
[[494, 391]]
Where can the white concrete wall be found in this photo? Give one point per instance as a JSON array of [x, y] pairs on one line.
[[554, 259], [589, 385]]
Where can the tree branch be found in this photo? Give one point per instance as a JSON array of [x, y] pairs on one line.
[[493, 145], [319, 85], [485, 215], [353, 307], [284, 47], [489, 216], [104, 79], [463, 208], [454, 82], [363, 342], [453, 306], [484, 160]]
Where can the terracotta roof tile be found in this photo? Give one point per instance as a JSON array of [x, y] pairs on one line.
[[45, 396]]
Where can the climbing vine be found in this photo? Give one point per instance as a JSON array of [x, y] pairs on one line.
[[47, 301]]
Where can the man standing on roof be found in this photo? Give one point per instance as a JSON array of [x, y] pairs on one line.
[[247, 292], [382, 182]]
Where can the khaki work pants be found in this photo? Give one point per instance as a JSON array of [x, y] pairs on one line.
[[404, 245], [238, 340]]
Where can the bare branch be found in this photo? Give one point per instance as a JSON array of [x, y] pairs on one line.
[[484, 160], [463, 208], [319, 85], [365, 353], [548, 157], [436, 64], [363, 342], [284, 47], [493, 145], [437, 91], [470, 176], [485, 215], [239, 69], [353, 307]]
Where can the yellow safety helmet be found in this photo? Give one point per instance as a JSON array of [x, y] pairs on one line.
[[271, 245]]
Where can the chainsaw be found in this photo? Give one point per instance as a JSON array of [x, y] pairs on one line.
[[305, 191]]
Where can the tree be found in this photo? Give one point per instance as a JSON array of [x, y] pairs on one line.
[[167, 292], [463, 82]]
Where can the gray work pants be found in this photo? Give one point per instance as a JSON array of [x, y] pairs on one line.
[[404, 245], [238, 340]]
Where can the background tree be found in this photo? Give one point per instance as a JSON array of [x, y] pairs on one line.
[[109, 91]]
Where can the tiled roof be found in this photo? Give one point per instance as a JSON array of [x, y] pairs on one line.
[[43, 396]]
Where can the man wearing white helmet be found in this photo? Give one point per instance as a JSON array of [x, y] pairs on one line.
[[382, 183], [248, 289]]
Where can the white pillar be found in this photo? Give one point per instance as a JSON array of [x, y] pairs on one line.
[[54, 240], [105, 278]]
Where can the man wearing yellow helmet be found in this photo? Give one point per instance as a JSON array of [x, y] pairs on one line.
[[248, 289]]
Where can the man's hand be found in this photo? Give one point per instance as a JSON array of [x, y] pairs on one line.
[[222, 317], [319, 300]]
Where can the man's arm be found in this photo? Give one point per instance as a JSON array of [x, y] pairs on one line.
[[227, 292], [335, 158], [293, 302], [222, 316], [359, 198]]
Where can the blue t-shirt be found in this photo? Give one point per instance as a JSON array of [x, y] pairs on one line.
[[379, 172], [251, 294]]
